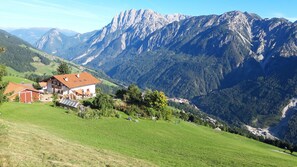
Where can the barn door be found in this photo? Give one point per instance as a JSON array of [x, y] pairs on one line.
[[25, 97]]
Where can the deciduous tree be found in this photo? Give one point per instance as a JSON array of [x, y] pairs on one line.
[[102, 102], [155, 99]]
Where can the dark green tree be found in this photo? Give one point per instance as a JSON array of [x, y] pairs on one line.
[[2, 84], [102, 102], [133, 94], [36, 86], [63, 68], [121, 93], [2, 72]]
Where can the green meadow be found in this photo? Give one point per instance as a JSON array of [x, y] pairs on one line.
[[16, 79], [120, 142]]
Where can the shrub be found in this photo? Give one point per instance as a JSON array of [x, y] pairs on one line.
[[87, 103], [120, 105], [17, 99], [102, 102], [133, 110], [89, 114], [151, 112], [55, 99], [166, 113], [184, 116]]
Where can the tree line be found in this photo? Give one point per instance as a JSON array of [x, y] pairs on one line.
[[133, 102], [2, 84]]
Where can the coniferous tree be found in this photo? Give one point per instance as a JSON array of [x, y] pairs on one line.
[[134, 94], [63, 68]]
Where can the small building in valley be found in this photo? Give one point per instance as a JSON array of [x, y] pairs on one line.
[[24, 92], [73, 86]]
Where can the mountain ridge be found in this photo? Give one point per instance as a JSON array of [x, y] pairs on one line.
[[31, 35], [203, 58], [233, 37]]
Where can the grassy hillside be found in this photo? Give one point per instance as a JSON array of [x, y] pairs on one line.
[[22, 59], [16, 79], [45, 149], [155, 143]]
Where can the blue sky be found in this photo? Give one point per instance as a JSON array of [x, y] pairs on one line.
[[87, 15]]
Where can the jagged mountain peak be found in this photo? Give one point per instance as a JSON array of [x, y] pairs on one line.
[[239, 16], [126, 28], [234, 13], [127, 18], [54, 32], [52, 41]]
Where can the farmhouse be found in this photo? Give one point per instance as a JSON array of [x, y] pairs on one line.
[[73, 86], [25, 92]]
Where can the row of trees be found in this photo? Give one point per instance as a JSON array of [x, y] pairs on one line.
[[131, 101], [133, 95], [147, 104], [2, 84]]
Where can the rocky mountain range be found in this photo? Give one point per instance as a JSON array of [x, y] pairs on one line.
[[236, 66], [31, 35], [228, 41], [54, 41]]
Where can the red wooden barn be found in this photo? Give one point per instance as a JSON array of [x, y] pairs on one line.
[[25, 92]]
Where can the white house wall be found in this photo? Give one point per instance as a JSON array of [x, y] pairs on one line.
[[91, 88], [49, 86], [67, 91], [63, 87]]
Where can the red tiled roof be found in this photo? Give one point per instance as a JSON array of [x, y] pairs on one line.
[[73, 80], [15, 88]]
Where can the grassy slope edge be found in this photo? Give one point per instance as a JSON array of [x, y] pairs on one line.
[[161, 143], [28, 145]]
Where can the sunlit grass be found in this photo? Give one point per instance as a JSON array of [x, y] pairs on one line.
[[162, 143]]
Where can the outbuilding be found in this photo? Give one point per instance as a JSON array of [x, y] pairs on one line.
[[25, 92]]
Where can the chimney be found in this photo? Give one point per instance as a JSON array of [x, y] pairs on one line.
[[66, 79], [77, 75]]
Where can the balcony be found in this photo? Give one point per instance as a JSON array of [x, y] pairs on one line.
[[57, 86]]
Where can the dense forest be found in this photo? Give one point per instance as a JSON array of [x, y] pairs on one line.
[[256, 102], [16, 53]]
